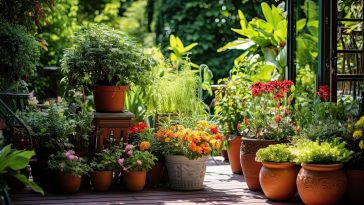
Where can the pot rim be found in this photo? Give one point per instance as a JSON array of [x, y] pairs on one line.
[[110, 87], [278, 165], [254, 139], [322, 167]]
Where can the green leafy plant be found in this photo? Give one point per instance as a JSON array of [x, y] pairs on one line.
[[134, 160], [67, 162], [102, 55], [20, 54], [106, 160], [179, 50], [316, 152], [275, 153], [11, 162]]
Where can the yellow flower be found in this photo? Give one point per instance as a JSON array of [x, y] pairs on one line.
[[167, 139], [357, 134], [361, 144], [360, 122]]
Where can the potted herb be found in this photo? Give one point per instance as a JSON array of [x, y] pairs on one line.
[[19, 55], [186, 152], [278, 174], [103, 165], [321, 160], [69, 170], [134, 165], [267, 120], [108, 60], [230, 102]]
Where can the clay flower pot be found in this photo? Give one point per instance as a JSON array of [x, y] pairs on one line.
[[251, 168], [321, 184], [234, 155], [278, 180], [109, 98], [154, 176], [134, 181], [101, 180], [68, 183], [355, 191]]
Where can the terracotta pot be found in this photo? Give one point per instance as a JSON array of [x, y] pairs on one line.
[[278, 180], [234, 155], [109, 98], [134, 181], [68, 183], [154, 176], [251, 168], [321, 184], [355, 190], [101, 180]]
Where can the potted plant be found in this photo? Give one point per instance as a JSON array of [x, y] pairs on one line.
[[145, 140], [321, 179], [278, 174], [267, 120], [230, 102], [69, 170], [103, 166], [134, 165], [186, 153], [108, 60], [12, 161], [355, 166], [20, 55]]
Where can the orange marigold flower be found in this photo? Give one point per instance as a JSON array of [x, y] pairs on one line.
[[144, 145], [167, 139]]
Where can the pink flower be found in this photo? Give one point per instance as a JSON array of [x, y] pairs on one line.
[[72, 157], [121, 161], [69, 152], [128, 147], [139, 162], [125, 169], [130, 152]]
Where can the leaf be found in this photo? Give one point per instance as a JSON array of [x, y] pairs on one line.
[[172, 41], [189, 47], [243, 21], [270, 56], [173, 57], [282, 57], [264, 73], [241, 44], [300, 24], [267, 12], [25, 181], [179, 43]]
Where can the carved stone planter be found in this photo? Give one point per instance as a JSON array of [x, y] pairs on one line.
[[321, 184]]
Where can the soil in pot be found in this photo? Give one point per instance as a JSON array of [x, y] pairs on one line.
[[278, 180], [234, 155], [109, 98]]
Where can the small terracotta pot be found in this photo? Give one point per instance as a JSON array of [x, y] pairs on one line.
[[251, 168], [154, 176], [234, 155], [355, 191], [134, 181], [278, 180], [101, 180], [68, 183], [109, 98], [321, 184]]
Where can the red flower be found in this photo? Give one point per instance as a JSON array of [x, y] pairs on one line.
[[278, 118], [138, 128], [214, 130], [246, 120], [238, 127], [278, 104], [324, 92]]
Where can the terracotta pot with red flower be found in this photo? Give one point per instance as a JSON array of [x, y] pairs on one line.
[[69, 170], [267, 120], [106, 60]]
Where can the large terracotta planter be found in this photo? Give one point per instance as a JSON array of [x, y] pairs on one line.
[[134, 181], [185, 174], [278, 180], [109, 98], [154, 176], [234, 155], [101, 180], [68, 183], [321, 184], [251, 168], [355, 190]]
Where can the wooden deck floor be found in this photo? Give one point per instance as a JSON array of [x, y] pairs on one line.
[[221, 187]]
